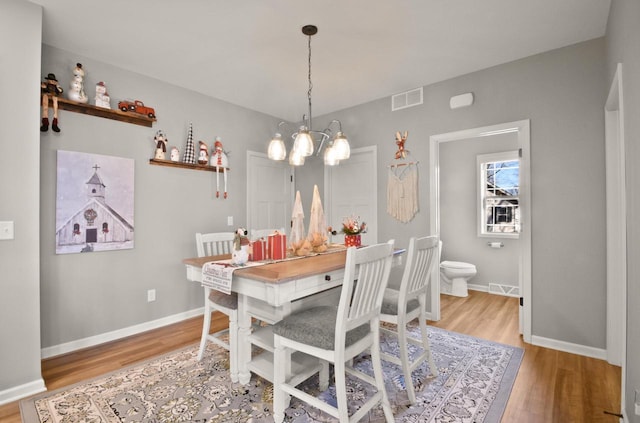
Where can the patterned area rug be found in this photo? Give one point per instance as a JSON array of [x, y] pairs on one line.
[[475, 380]]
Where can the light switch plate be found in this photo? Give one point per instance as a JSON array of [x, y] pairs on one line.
[[6, 230], [229, 220]]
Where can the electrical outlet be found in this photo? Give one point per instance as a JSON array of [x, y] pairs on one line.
[[6, 230], [229, 220], [151, 295], [637, 402]]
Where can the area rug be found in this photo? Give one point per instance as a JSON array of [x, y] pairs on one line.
[[474, 383]]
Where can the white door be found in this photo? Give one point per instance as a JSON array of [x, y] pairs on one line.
[[350, 189], [269, 192]]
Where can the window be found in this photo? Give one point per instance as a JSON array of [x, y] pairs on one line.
[[499, 208]]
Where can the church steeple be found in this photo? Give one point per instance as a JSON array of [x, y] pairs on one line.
[[95, 187]]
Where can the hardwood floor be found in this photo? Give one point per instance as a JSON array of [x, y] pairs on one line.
[[551, 386]]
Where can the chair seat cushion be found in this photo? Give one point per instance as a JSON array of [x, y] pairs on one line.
[[316, 326], [390, 303], [228, 301]]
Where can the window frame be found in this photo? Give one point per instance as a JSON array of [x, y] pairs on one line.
[[481, 160]]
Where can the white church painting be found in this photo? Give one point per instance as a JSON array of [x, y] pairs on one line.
[[94, 203]]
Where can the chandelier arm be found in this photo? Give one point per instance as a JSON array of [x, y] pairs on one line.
[[324, 136], [338, 122]]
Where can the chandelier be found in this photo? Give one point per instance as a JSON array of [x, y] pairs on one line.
[[303, 140]]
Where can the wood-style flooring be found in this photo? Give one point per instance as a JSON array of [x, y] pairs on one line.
[[551, 386]]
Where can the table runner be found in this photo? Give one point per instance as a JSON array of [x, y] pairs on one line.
[[218, 274]]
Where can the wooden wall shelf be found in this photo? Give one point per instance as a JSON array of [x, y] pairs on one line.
[[114, 114], [182, 165]]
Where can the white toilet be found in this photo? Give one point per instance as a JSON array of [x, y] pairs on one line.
[[454, 276]]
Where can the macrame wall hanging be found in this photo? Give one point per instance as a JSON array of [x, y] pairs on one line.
[[402, 185]]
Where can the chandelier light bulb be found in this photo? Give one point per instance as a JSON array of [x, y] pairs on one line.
[[277, 149], [341, 145], [295, 158], [330, 156], [303, 143]]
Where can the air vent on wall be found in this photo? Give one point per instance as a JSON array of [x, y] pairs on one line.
[[406, 99]]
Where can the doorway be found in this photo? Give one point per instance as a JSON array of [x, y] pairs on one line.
[[521, 130]]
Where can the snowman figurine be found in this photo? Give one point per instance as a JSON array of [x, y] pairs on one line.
[[161, 145], [77, 85], [203, 156], [175, 154]]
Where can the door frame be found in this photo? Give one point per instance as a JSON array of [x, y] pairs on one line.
[[522, 128], [616, 227]]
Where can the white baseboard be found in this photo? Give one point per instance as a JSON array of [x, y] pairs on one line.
[[474, 287], [22, 391], [569, 347], [117, 334]]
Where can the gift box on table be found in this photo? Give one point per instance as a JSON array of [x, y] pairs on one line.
[[259, 250], [277, 246]]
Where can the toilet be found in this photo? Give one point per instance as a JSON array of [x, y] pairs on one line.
[[454, 276]]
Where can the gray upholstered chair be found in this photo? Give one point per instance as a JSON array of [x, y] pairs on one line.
[[336, 335], [404, 301], [213, 244]]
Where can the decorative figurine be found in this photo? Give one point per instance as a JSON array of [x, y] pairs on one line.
[[400, 140], [50, 90], [102, 96], [77, 85], [203, 156], [189, 151], [240, 254], [219, 160], [161, 145], [175, 154]]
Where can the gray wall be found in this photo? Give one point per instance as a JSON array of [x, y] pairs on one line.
[[623, 46], [459, 211], [562, 92], [85, 295], [19, 201]]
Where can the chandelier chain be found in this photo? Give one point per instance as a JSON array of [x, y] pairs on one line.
[[310, 83]]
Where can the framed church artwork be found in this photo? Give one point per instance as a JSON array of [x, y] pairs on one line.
[[94, 203]]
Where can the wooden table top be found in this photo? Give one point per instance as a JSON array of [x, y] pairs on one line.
[[282, 271]]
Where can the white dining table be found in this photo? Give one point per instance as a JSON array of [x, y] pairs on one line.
[[271, 292]]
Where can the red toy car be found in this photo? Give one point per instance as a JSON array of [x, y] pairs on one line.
[[137, 107]]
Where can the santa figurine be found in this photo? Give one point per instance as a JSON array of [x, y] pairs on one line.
[[50, 89], [102, 96], [203, 156]]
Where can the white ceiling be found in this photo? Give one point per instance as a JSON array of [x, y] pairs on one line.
[[252, 52]]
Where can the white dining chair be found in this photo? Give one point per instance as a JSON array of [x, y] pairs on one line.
[[336, 335], [406, 301], [213, 244]]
